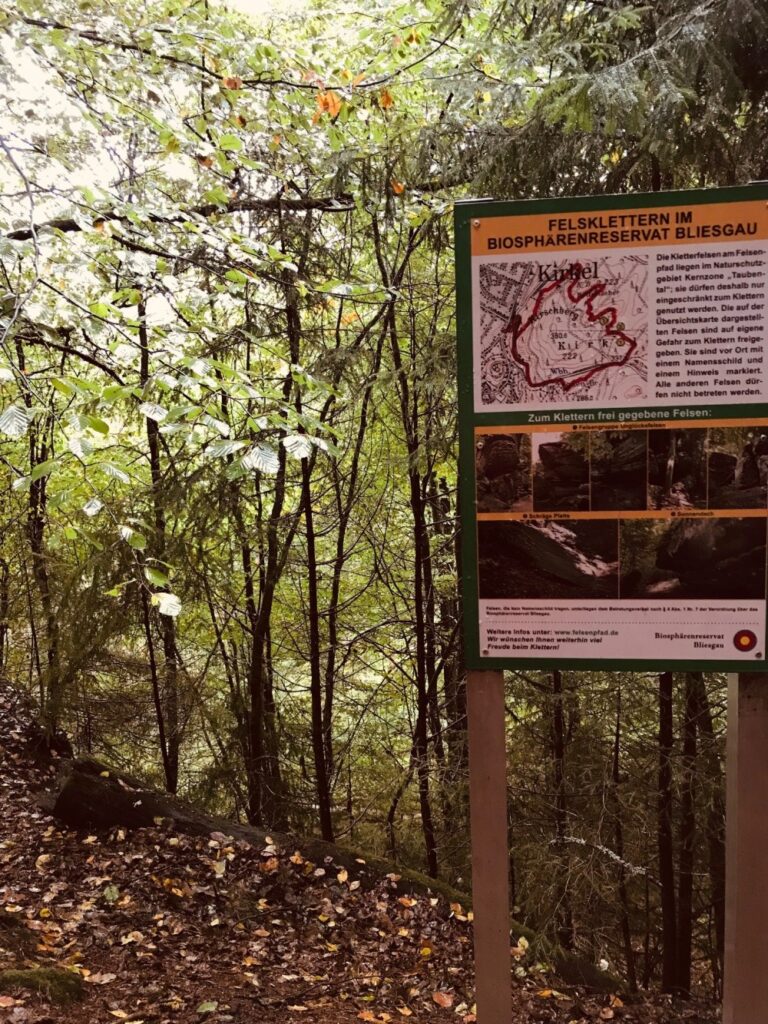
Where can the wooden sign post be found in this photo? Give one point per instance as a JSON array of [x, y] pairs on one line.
[[490, 846]]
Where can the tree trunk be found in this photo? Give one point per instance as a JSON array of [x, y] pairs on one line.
[[565, 934], [687, 840], [5, 603], [626, 930], [665, 840], [316, 691], [713, 774], [167, 625]]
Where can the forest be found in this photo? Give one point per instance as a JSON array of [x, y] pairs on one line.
[[229, 542]]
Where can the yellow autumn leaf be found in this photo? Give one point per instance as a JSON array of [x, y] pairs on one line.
[[404, 1011], [342, 876]]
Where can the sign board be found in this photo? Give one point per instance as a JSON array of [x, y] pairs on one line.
[[613, 377]]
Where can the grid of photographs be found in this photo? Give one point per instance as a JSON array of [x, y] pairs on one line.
[[623, 557], [716, 468], [633, 559]]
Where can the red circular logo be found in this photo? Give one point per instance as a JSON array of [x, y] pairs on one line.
[[745, 640]]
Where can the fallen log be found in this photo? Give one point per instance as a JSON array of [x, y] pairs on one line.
[[87, 794]]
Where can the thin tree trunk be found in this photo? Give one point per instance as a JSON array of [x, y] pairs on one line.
[[565, 934], [156, 695], [345, 506], [687, 840], [167, 625], [713, 773], [626, 930], [665, 835], [5, 604], [316, 692]]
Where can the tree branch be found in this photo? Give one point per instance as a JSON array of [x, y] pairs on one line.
[[329, 204]]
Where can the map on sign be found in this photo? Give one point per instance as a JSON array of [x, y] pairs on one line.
[[563, 330]]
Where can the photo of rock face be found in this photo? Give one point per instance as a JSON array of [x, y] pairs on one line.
[[543, 559], [560, 472], [503, 473], [737, 467], [618, 469], [693, 558], [677, 469]]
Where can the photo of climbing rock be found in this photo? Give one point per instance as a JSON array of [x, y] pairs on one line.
[[618, 469], [544, 559], [503, 472], [561, 472], [677, 469], [719, 558], [737, 466]]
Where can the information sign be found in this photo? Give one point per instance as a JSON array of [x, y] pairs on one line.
[[614, 430]]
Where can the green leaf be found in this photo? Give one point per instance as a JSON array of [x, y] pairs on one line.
[[220, 449], [207, 1007], [231, 143], [298, 445], [216, 424], [63, 386], [153, 411], [236, 276], [166, 603], [80, 446], [14, 420], [111, 894], [133, 537], [93, 423], [262, 457], [155, 577], [43, 469], [111, 470], [93, 506]]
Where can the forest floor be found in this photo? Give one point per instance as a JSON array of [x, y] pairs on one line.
[[156, 927]]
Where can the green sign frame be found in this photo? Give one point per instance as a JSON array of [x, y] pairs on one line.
[[468, 216]]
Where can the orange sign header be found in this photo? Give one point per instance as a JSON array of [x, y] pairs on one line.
[[708, 223]]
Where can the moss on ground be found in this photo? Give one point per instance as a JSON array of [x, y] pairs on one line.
[[57, 986]]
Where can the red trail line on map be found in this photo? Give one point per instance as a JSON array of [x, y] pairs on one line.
[[587, 298]]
